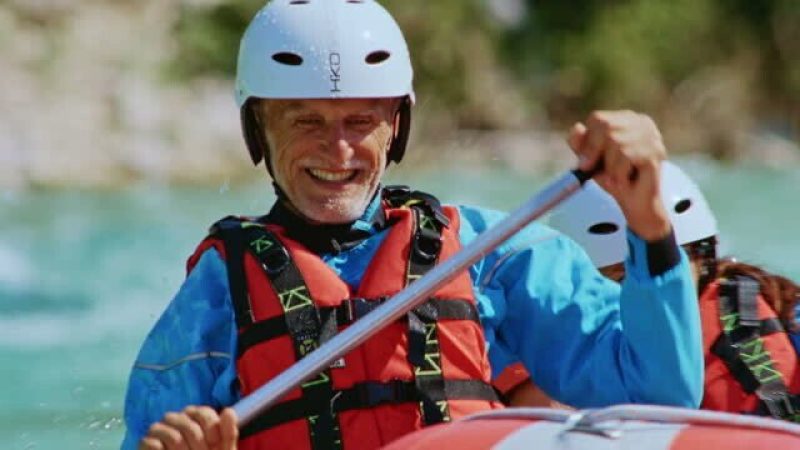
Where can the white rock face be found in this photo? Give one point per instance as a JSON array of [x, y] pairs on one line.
[[83, 100]]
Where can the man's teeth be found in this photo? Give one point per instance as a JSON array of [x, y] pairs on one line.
[[332, 176]]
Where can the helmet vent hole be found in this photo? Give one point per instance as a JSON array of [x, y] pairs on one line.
[[683, 206], [289, 59], [603, 228], [355, 1], [377, 57], [299, 2]]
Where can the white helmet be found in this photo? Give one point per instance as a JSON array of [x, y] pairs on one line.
[[688, 210], [315, 49], [593, 219]]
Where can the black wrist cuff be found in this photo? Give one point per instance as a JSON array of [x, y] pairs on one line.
[[663, 254]]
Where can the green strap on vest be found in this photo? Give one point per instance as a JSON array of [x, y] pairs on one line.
[[741, 347]]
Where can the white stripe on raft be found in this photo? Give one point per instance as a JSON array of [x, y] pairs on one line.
[[634, 435]]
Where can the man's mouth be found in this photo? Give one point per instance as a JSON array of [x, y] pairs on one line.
[[333, 176]]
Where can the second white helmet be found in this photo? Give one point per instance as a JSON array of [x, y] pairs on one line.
[[688, 209], [593, 219]]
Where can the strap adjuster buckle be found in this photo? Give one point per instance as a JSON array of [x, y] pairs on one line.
[[427, 245], [777, 401], [374, 393], [275, 259]]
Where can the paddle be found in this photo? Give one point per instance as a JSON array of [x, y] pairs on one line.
[[397, 306]]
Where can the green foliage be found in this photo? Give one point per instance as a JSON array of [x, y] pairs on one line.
[[208, 37], [445, 38], [585, 54]]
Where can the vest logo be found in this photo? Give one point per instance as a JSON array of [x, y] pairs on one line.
[[307, 346], [432, 365], [261, 245], [335, 66], [294, 299]]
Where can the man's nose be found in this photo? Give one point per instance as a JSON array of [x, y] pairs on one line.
[[339, 141]]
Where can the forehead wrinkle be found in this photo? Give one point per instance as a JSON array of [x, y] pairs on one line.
[[281, 107]]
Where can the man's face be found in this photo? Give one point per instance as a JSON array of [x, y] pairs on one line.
[[328, 156]]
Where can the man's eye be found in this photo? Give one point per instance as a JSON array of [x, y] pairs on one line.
[[360, 121], [308, 122]]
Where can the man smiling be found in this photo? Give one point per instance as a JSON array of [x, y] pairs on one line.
[[325, 91], [328, 156]]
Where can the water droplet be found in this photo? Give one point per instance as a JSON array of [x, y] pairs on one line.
[[95, 425], [78, 391], [113, 422], [105, 405], [225, 186]]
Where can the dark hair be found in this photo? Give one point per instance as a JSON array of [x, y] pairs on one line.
[[781, 293]]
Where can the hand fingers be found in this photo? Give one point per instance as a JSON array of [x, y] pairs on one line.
[[169, 437], [229, 431], [619, 166], [190, 430], [576, 135], [594, 141], [151, 443], [208, 419]]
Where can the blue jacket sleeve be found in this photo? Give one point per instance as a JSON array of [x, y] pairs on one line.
[[586, 341], [187, 357]]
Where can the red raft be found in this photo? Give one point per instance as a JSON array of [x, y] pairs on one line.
[[623, 427]]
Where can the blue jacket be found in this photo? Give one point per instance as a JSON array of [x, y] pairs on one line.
[[585, 340]]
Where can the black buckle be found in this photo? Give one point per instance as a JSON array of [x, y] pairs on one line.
[[432, 207], [373, 393], [427, 311], [396, 195], [274, 260], [777, 401], [427, 245], [356, 308], [747, 290]]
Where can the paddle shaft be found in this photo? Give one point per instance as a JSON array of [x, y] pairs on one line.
[[401, 303]]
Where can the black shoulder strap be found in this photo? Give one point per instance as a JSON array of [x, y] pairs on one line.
[[300, 314], [741, 347], [423, 341], [232, 231]]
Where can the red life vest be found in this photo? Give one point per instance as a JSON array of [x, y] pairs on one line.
[[428, 368], [751, 365]]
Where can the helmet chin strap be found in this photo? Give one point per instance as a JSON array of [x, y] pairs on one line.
[[279, 193], [706, 249]]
